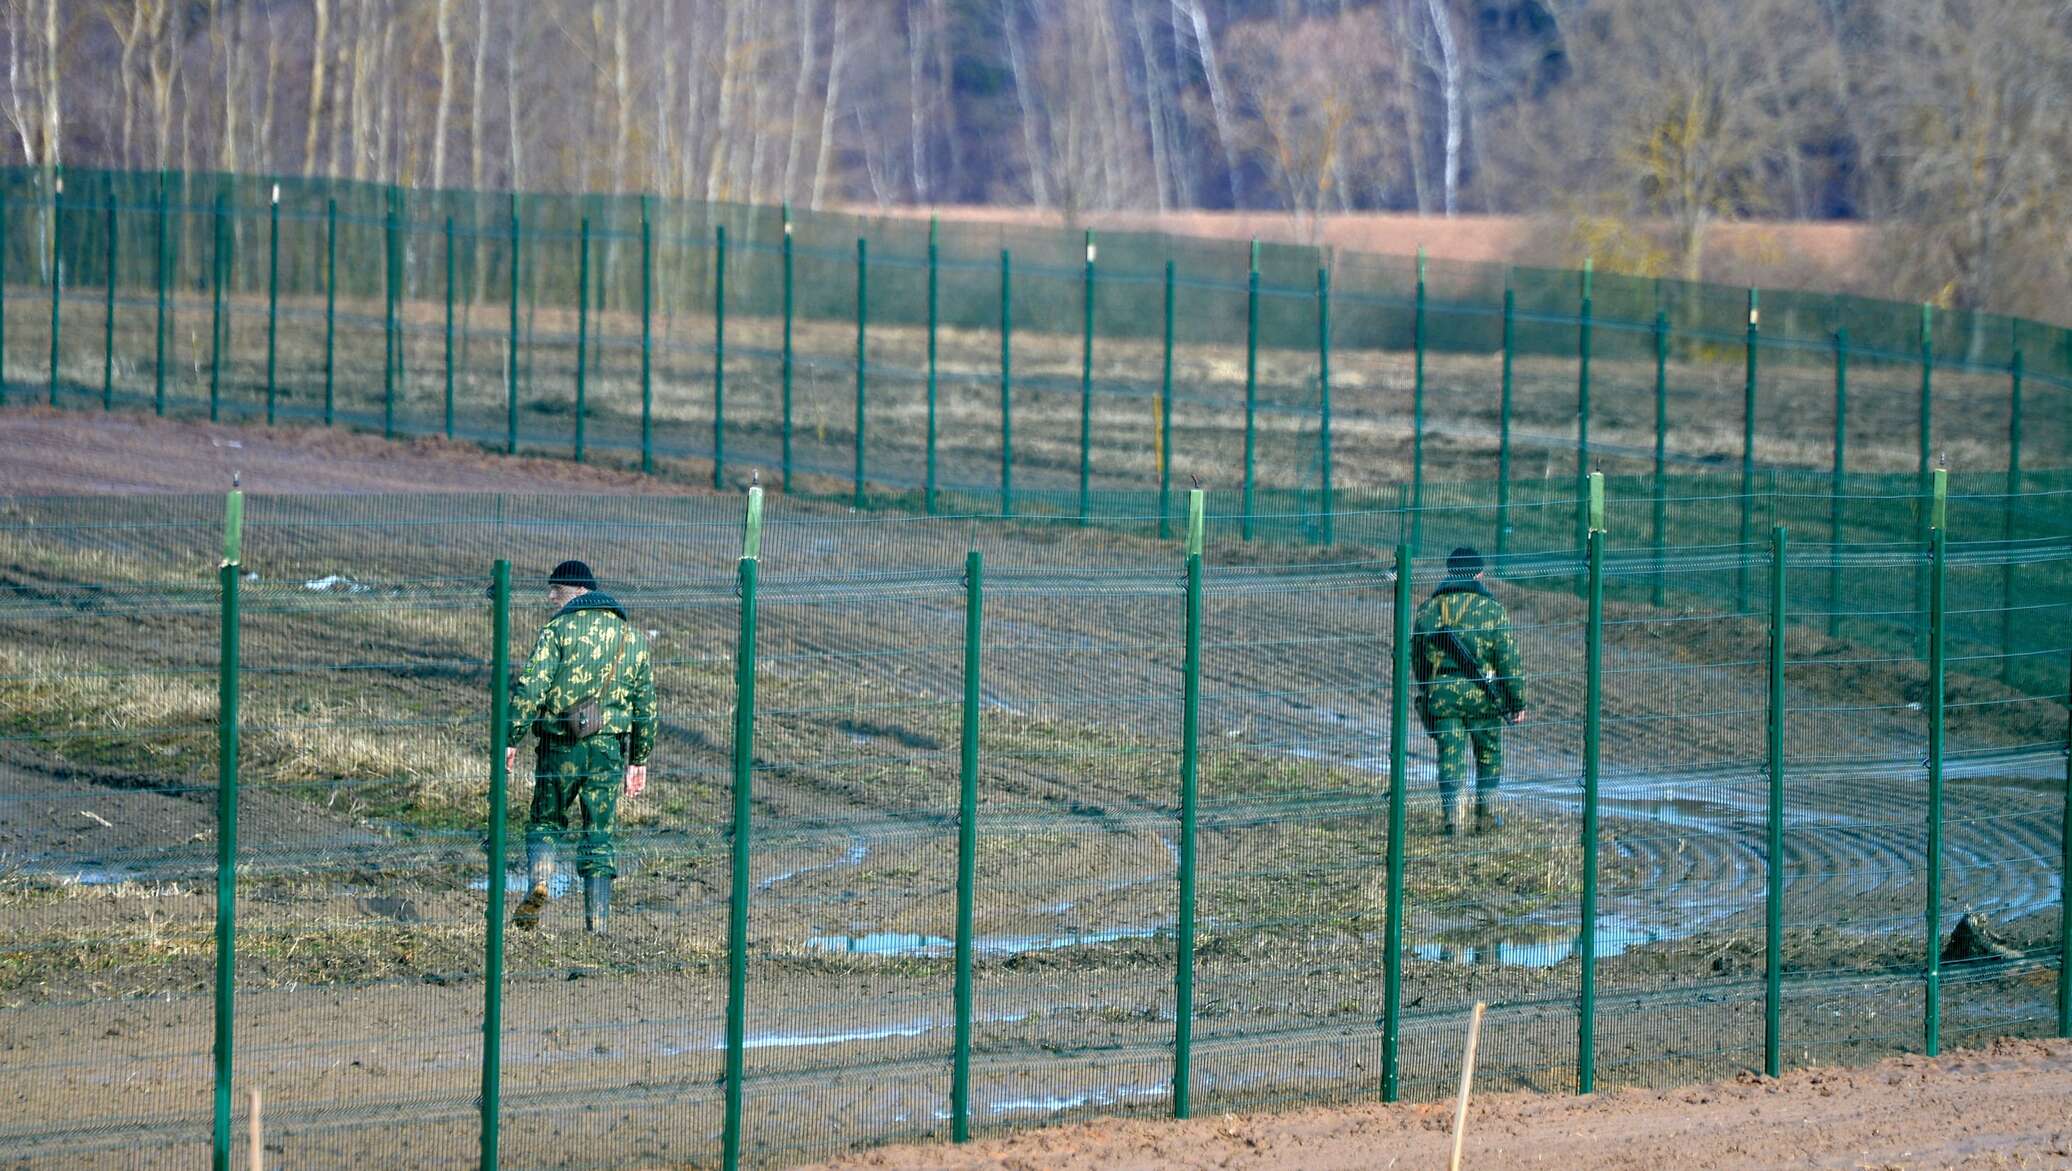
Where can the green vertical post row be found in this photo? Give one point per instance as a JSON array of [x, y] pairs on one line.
[[785, 360], [1931, 1027], [330, 306], [647, 336], [1837, 484], [744, 775], [1657, 533], [2065, 875], [1165, 409], [1593, 706], [1583, 347], [1927, 434], [2014, 487], [967, 843], [1324, 401], [217, 263], [1773, 902], [1251, 387], [1006, 383], [1190, 757], [863, 287], [582, 339], [1399, 785], [1086, 380], [511, 344], [493, 937], [719, 356], [3, 295], [1417, 412], [226, 823], [449, 327], [1748, 409], [108, 319], [57, 281], [1503, 442], [163, 278], [934, 315], [273, 296]]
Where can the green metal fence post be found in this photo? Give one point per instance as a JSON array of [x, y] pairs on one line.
[[1773, 902], [1748, 409], [1165, 409], [1593, 708], [1086, 381], [1324, 399], [1932, 998], [449, 327], [217, 263], [3, 293], [1006, 383], [647, 336], [582, 338], [493, 939], [1837, 484], [330, 306], [785, 360], [934, 320], [967, 842], [1417, 411], [1503, 442], [511, 345], [2014, 487], [1399, 785], [162, 279], [1251, 387], [719, 356], [744, 774], [273, 296], [1657, 533], [1190, 732], [862, 359], [1927, 432], [1583, 347], [108, 319], [226, 823], [391, 323], [57, 279]]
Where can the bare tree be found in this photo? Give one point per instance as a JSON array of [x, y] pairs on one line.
[[319, 57], [129, 26], [443, 22], [1450, 74]]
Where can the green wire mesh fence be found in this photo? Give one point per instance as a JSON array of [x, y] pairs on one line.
[[1024, 818], [973, 368]]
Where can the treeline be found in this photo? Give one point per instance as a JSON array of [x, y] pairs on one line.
[[1634, 125]]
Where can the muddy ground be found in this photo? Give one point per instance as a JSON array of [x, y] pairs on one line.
[[364, 759]]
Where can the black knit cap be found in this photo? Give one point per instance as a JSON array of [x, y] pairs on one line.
[[573, 573], [1463, 562]]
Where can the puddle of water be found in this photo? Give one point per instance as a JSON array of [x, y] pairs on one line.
[[1615, 936], [1048, 1104], [894, 943], [858, 851], [518, 882]]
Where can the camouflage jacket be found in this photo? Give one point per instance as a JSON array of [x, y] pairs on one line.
[[585, 641], [1466, 606]]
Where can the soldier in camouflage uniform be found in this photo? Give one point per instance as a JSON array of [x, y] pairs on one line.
[[587, 651], [1466, 704]]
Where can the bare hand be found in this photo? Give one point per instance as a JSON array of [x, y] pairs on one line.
[[1517, 717], [510, 760], [636, 779]]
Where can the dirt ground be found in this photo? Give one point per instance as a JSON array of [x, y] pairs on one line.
[[1998, 1107]]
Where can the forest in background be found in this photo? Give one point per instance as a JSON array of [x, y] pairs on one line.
[[1632, 127]]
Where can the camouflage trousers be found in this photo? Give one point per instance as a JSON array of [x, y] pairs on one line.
[[585, 774], [1463, 720]]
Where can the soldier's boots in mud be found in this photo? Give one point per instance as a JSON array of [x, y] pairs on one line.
[[539, 866], [1488, 819], [597, 903]]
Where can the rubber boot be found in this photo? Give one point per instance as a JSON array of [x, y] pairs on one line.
[[1488, 819], [539, 867], [1449, 807], [597, 903]]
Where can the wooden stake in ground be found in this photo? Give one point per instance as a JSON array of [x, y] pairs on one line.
[[258, 1135], [1467, 1079]]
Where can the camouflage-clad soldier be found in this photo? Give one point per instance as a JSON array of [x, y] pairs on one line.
[[588, 692], [1468, 684]]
